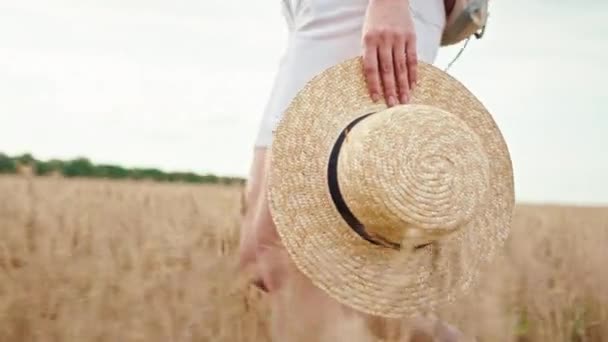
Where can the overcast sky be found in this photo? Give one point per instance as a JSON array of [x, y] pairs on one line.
[[181, 85]]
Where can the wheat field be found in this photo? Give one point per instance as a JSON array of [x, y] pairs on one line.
[[96, 260]]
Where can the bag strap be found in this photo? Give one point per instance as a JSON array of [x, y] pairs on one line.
[[449, 4]]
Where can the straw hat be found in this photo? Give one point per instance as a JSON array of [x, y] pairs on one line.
[[398, 215]]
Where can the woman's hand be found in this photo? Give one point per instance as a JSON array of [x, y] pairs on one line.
[[389, 50]]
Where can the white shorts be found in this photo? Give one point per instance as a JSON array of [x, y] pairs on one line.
[[323, 33]]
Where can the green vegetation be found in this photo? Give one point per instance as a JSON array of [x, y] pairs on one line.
[[7, 164], [82, 167]]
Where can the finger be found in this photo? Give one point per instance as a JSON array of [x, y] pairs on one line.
[[370, 68], [385, 53], [401, 72], [412, 61]]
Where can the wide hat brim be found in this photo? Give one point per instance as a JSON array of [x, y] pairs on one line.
[[370, 278]]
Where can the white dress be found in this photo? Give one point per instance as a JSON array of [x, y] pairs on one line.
[[323, 33]]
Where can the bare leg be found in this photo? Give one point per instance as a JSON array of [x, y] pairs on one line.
[[259, 238], [433, 329], [251, 195], [293, 298]]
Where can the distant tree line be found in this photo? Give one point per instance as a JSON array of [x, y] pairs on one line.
[[83, 167]]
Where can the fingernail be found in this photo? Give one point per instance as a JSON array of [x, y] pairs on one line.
[[392, 101], [403, 99], [375, 97]]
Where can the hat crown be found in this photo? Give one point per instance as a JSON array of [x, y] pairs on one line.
[[413, 173]]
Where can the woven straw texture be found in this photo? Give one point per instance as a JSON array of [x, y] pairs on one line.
[[436, 170]]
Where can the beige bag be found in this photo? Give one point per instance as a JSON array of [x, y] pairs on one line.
[[467, 18]]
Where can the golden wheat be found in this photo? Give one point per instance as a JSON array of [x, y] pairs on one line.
[[92, 260]]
